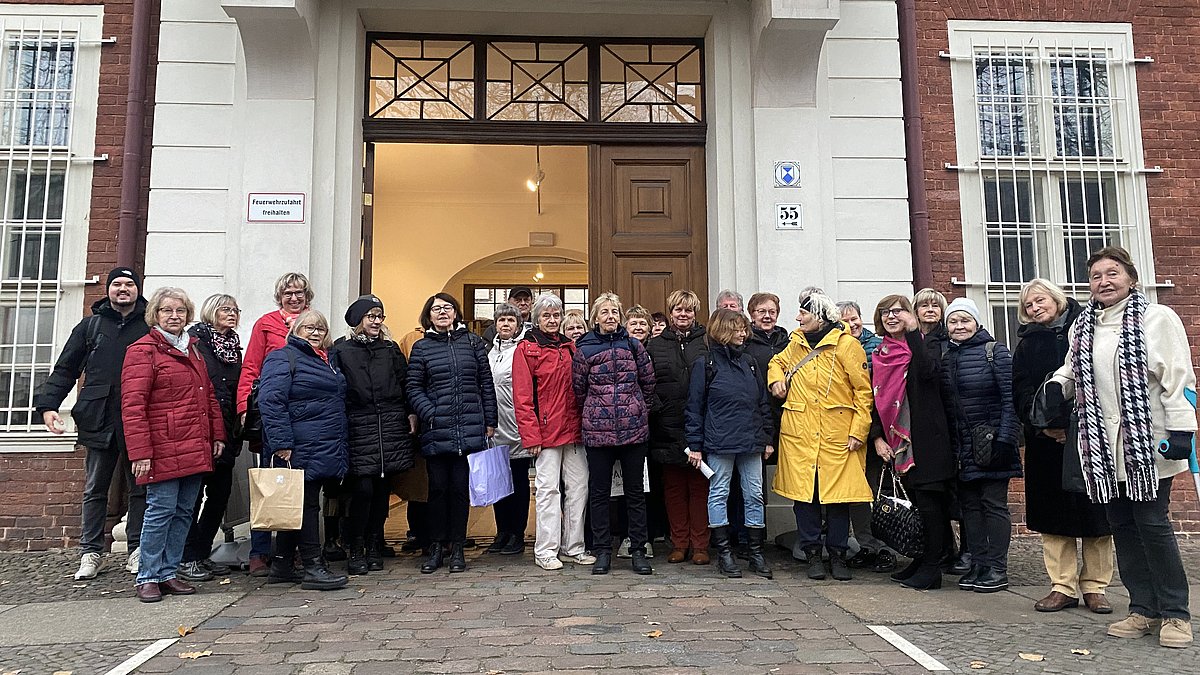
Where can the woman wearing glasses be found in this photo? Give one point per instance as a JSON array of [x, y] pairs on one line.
[[450, 389], [302, 396], [217, 341], [380, 433]]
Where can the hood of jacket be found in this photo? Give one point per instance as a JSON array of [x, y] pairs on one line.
[[544, 339], [595, 337]]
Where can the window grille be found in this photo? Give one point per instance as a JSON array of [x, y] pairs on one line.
[[1050, 159], [38, 67], [485, 299]]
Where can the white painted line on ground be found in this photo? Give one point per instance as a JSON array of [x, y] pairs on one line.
[[914, 652], [131, 664]]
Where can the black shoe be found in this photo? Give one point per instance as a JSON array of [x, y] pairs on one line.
[[283, 571], [317, 577], [837, 566], [861, 560], [437, 555], [725, 562], [640, 563], [957, 565], [374, 554], [758, 564], [816, 566], [906, 572], [927, 577], [885, 561], [333, 552], [412, 545], [469, 543], [193, 572], [215, 567], [356, 564], [498, 543], [603, 562], [967, 582], [458, 561], [991, 580], [515, 545]]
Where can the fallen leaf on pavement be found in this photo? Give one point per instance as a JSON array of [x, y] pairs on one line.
[[653, 623], [195, 655], [978, 665], [79, 586], [495, 672], [654, 634], [1031, 657], [12, 672], [62, 672], [185, 630], [1081, 652], [224, 582]]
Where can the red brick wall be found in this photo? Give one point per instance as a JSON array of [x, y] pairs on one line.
[[1169, 100], [40, 493]]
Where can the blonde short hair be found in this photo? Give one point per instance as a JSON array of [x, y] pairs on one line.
[[293, 279], [930, 295], [1044, 286], [208, 309], [638, 312], [572, 317], [606, 298], [684, 299], [156, 301], [315, 317]]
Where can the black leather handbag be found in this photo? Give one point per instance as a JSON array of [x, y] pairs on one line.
[[251, 429], [895, 521], [983, 446]]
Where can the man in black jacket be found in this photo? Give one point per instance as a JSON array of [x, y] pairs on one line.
[[96, 350]]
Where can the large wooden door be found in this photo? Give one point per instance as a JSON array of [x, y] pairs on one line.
[[648, 231]]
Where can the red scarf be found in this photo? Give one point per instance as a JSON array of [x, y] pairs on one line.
[[889, 373]]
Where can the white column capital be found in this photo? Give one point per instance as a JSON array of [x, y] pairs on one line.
[[786, 40], [280, 46]]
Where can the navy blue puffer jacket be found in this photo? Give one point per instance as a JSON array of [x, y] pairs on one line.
[[303, 403], [450, 389], [732, 413], [980, 393]]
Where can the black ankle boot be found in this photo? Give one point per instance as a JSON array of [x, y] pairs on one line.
[[317, 577], [641, 564], [374, 553], [838, 567], [927, 577], [282, 571], [816, 566], [725, 563], [437, 556], [758, 563], [515, 545], [907, 571], [498, 543], [356, 564], [603, 562], [458, 561]]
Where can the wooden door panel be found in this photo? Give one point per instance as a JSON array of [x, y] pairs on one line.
[[648, 235]]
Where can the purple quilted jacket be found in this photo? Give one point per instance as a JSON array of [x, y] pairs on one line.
[[614, 384]]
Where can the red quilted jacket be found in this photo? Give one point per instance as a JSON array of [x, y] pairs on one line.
[[547, 412], [169, 409], [270, 332]]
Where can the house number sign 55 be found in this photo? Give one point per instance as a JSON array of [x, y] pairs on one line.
[[789, 217]]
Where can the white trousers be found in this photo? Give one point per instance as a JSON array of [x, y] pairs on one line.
[[559, 521]]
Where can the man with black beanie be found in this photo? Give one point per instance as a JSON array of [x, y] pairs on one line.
[[96, 350]]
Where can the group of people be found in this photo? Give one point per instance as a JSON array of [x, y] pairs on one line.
[[689, 414]]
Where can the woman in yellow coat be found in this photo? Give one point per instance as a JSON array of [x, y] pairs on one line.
[[822, 377]]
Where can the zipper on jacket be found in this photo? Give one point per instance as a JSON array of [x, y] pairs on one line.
[[378, 419], [457, 389]]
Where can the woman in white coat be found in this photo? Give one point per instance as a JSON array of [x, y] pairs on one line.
[[512, 512]]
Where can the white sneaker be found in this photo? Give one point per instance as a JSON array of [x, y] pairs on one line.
[[623, 549], [89, 566], [135, 557], [584, 558], [550, 564], [649, 550]]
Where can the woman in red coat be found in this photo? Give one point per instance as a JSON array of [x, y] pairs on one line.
[[173, 430]]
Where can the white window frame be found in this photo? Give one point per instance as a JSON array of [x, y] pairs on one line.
[[85, 23], [1126, 166]]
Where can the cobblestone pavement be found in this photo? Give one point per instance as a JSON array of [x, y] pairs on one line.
[[508, 616]]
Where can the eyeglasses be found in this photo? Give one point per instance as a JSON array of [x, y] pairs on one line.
[[228, 310], [892, 312], [374, 317], [294, 294], [313, 330], [179, 311], [766, 311], [441, 309]]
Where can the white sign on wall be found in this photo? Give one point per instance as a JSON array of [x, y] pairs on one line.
[[275, 207], [789, 217], [787, 174]]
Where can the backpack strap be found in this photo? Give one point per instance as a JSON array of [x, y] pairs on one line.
[[92, 336]]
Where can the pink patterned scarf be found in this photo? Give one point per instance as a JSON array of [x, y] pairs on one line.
[[889, 374]]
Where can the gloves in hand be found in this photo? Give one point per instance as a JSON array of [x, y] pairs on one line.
[[1179, 446], [1055, 400]]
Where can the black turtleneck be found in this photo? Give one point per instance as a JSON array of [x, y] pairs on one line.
[[816, 336]]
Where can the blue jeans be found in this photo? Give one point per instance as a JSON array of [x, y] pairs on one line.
[[169, 507], [749, 468]]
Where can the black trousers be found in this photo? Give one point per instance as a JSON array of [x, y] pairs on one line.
[[656, 505], [512, 512], [100, 464], [1148, 555], [449, 498], [600, 469], [369, 498], [214, 495], [933, 505], [809, 521], [308, 538], [987, 524]]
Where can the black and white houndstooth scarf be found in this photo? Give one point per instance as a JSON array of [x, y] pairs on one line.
[[1099, 471]]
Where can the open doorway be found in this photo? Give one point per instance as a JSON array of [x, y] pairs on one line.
[[474, 220]]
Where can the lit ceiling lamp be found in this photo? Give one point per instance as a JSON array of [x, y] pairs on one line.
[[539, 275], [535, 184]]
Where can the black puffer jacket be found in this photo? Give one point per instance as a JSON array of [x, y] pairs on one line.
[[376, 407], [450, 389], [224, 378], [976, 393], [761, 346], [673, 355]]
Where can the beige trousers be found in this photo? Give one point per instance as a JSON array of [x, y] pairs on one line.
[[1066, 576], [559, 521]]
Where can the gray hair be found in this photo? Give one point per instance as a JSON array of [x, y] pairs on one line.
[[208, 310], [849, 304], [729, 293], [168, 292], [505, 309], [544, 303], [814, 301]]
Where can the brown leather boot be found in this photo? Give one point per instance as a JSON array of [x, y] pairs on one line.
[[148, 592]]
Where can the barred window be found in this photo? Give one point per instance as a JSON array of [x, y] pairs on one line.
[[1049, 155], [485, 299]]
